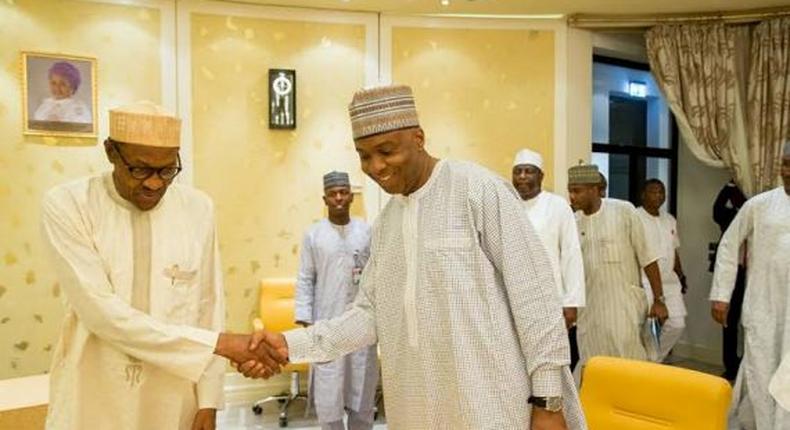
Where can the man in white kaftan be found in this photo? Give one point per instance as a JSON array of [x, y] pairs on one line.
[[615, 251], [661, 230], [137, 259], [553, 219], [763, 223], [334, 252], [458, 291]]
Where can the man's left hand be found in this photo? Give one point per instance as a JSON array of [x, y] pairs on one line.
[[659, 311], [570, 317], [683, 285], [205, 419], [545, 420]]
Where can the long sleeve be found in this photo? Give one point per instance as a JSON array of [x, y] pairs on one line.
[[728, 255], [331, 339], [182, 350], [571, 262], [646, 252], [514, 248], [210, 387], [305, 283]]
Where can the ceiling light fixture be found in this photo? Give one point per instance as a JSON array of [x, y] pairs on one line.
[[445, 2]]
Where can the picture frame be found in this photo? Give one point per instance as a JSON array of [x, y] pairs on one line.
[[282, 99], [58, 95]]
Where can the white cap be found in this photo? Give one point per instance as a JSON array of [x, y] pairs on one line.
[[526, 156]]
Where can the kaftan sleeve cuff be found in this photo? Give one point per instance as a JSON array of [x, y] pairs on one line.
[[210, 388], [720, 295], [194, 367], [299, 342], [573, 301], [199, 335], [547, 382], [303, 314]]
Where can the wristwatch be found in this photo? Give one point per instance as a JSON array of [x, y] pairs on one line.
[[660, 299], [551, 404]]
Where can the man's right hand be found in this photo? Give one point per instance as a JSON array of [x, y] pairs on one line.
[[719, 311], [236, 348]]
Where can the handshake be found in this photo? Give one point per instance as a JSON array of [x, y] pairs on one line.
[[257, 355]]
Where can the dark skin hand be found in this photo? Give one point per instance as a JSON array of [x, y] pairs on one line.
[[205, 419], [274, 341], [545, 420], [238, 348]]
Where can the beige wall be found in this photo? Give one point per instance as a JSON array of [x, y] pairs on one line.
[[482, 93], [120, 37], [267, 183], [698, 186]]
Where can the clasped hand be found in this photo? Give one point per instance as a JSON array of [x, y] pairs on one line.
[[259, 355]]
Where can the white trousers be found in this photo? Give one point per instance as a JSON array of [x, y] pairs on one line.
[[356, 421]]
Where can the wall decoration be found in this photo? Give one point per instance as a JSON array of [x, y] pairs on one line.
[[58, 95], [282, 99]]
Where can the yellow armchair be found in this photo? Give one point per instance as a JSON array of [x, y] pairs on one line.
[[276, 312], [620, 394]]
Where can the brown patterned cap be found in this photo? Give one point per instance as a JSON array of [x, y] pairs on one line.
[[382, 109], [584, 174]]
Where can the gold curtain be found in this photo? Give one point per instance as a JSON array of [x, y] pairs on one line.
[[729, 88], [768, 100]]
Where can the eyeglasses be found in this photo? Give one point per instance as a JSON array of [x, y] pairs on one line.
[[141, 173]]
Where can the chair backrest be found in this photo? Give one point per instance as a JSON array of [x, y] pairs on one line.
[[620, 394], [276, 309]]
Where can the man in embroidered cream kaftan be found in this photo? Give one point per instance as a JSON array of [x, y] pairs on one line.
[[137, 259]]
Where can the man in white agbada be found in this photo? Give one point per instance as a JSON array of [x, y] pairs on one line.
[[458, 291], [763, 225], [615, 251], [661, 229], [334, 252], [137, 259], [552, 217]]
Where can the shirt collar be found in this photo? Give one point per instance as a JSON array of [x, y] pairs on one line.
[[423, 190]]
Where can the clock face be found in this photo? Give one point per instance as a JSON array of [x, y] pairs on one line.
[[282, 85]]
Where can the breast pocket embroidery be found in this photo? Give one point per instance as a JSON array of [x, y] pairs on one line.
[[176, 275]]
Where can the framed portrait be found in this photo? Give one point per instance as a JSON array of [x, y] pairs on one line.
[[282, 99], [58, 95]]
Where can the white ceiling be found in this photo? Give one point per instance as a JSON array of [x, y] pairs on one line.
[[529, 7]]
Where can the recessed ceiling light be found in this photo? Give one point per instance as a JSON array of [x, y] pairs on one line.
[[445, 2]]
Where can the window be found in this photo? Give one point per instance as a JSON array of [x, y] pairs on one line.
[[634, 132]]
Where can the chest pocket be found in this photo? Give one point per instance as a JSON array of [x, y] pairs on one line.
[[610, 252], [450, 262], [182, 281]]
